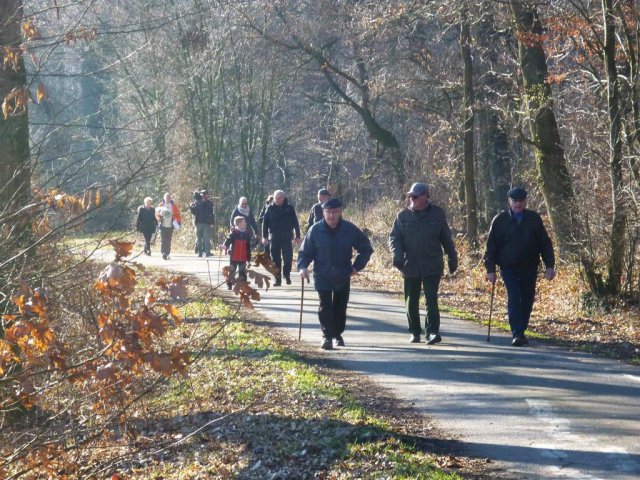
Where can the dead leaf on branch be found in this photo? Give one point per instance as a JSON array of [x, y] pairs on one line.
[[123, 249], [261, 280], [15, 102], [262, 259], [116, 277], [30, 31], [178, 287], [173, 311], [41, 93]]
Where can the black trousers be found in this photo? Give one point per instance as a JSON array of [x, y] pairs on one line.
[[332, 311], [148, 235], [282, 255]]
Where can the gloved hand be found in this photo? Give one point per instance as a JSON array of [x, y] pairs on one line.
[[453, 264], [399, 264]]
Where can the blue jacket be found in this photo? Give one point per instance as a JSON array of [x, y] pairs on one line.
[[331, 253]]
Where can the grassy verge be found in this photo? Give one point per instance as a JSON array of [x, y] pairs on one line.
[[251, 407]]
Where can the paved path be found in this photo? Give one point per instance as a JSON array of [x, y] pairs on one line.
[[539, 411]]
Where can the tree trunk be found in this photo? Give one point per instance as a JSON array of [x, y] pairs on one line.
[[615, 152], [552, 167], [471, 203], [15, 169]]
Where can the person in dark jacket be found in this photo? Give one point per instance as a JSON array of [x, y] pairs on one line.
[[146, 223], [419, 234], [278, 227], [329, 244], [315, 215], [203, 218], [243, 210], [517, 240], [268, 201], [238, 245]]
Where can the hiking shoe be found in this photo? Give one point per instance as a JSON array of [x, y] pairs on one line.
[[518, 341], [339, 341], [326, 344], [415, 338], [434, 338]]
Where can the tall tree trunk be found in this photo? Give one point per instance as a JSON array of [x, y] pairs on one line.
[[471, 203], [552, 167], [494, 157], [615, 152], [15, 170]]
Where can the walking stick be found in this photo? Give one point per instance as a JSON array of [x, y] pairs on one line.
[[493, 291], [301, 306]]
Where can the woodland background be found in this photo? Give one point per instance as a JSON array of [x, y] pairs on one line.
[[138, 98], [105, 102]]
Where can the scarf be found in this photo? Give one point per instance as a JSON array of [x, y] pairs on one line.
[[244, 211]]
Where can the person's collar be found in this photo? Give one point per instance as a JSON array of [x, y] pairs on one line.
[[426, 207]]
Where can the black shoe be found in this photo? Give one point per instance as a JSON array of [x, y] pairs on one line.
[[288, 280], [518, 341], [339, 341], [415, 338], [200, 255], [278, 282], [229, 286], [525, 340], [165, 257], [326, 344], [434, 338]]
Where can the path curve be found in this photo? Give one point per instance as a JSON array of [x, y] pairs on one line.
[[538, 411]]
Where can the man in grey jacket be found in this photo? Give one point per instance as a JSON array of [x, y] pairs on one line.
[[419, 235]]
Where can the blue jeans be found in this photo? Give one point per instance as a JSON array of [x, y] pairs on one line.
[[521, 290], [203, 238]]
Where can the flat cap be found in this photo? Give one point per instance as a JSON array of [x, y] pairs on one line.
[[333, 203], [324, 191], [418, 189], [517, 193]]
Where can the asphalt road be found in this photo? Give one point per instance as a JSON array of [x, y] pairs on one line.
[[540, 412]]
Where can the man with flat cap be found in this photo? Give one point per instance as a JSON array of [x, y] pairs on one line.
[[517, 240], [329, 244], [419, 235], [315, 215]]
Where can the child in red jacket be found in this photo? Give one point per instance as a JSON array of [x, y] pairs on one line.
[[238, 245]]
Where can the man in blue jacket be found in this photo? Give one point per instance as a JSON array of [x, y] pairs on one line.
[[329, 244], [517, 240]]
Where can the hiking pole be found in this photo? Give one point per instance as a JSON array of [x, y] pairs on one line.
[[301, 305], [493, 291]]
